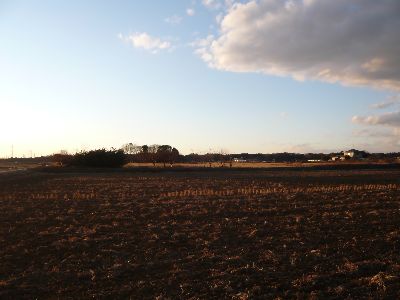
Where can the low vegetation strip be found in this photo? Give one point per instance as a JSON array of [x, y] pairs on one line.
[[242, 191], [281, 190]]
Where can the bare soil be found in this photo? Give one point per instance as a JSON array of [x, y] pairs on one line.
[[304, 234]]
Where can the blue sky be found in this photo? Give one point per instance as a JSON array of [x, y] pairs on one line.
[[86, 74]]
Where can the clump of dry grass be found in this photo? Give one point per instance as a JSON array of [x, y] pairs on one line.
[[379, 280], [279, 189]]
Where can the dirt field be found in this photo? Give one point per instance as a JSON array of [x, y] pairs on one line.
[[6, 167], [257, 165], [226, 234]]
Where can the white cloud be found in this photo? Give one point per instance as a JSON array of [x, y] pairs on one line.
[[378, 139], [352, 42], [391, 119], [175, 19], [384, 104], [218, 4], [201, 46], [306, 148], [393, 100], [383, 130], [212, 4], [147, 42], [219, 18], [373, 133], [190, 12]]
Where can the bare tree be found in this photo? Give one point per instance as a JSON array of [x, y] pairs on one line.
[[131, 148], [152, 153], [167, 154], [174, 156], [222, 155]]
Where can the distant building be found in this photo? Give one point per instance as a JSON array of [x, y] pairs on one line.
[[353, 153], [350, 153], [239, 159]]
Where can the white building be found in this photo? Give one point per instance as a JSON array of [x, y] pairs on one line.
[[239, 160], [350, 153]]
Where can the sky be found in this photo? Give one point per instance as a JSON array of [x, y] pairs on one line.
[[201, 75]]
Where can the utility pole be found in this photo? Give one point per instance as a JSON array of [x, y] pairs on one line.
[[12, 151]]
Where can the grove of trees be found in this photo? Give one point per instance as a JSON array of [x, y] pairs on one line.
[[165, 154], [95, 158]]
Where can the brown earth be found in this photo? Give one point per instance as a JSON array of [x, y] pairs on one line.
[[225, 234]]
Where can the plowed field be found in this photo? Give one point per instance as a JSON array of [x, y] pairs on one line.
[[200, 235]]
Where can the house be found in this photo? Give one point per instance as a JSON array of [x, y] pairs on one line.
[[350, 153]]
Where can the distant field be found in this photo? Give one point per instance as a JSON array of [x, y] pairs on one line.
[[218, 165], [6, 166], [254, 164], [12, 166], [244, 234]]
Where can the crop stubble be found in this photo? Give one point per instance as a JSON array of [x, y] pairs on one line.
[[248, 234]]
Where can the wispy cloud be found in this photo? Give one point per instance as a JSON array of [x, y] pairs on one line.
[[306, 148], [190, 12], [391, 119], [218, 4], [381, 130], [146, 42], [201, 47], [391, 101], [377, 138], [175, 19], [212, 4], [373, 133], [347, 41]]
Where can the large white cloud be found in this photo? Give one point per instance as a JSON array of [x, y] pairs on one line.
[[354, 42]]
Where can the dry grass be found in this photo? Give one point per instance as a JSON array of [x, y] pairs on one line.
[[257, 165]]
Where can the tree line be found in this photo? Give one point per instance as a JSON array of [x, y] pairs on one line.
[[169, 155]]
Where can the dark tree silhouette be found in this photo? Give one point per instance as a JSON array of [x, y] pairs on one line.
[[99, 158]]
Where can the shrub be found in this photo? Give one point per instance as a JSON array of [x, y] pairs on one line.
[[99, 158], [62, 158]]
